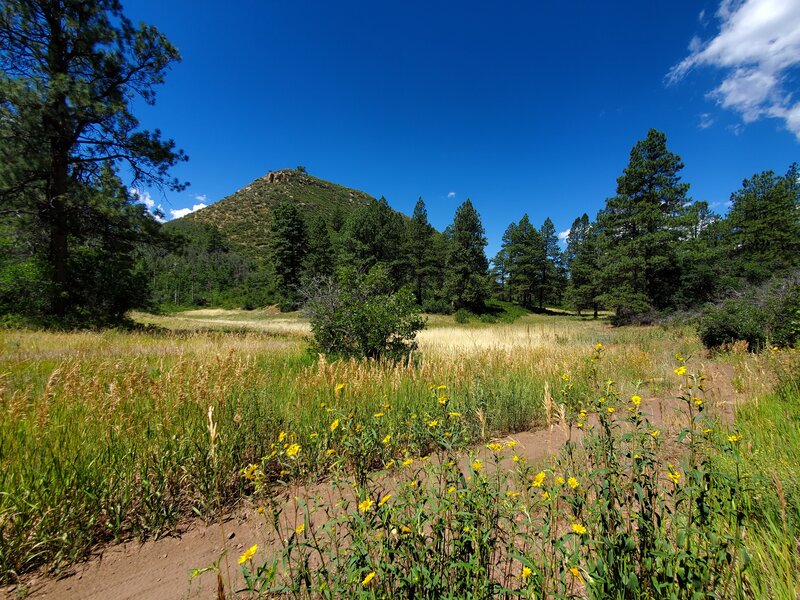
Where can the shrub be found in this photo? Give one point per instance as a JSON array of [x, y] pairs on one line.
[[359, 316], [733, 321], [462, 316], [767, 314]]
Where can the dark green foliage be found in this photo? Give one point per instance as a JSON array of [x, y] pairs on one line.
[[461, 316], [320, 259], [359, 316], [553, 276], [424, 270], [769, 314], [288, 248], [193, 266], [735, 320], [373, 235], [527, 262], [582, 260], [69, 70], [641, 227], [466, 280], [763, 236]]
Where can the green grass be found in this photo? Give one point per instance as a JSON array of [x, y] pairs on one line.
[[105, 436]]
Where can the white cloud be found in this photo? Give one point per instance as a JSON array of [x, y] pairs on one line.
[[142, 196], [706, 121], [182, 212], [563, 235], [201, 197], [145, 198], [757, 46], [451, 195]]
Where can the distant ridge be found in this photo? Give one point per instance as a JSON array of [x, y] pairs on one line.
[[243, 218]]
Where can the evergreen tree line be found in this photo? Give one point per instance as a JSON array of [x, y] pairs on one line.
[[443, 271], [652, 249]]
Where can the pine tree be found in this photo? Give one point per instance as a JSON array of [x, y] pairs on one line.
[[69, 70], [764, 225], [641, 228], [288, 247], [528, 262], [553, 279], [419, 251], [372, 235], [320, 257], [582, 260], [466, 275]]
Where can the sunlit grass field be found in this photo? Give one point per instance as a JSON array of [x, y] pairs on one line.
[[117, 434]]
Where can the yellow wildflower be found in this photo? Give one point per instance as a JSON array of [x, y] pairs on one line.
[[494, 447], [579, 424], [292, 450], [511, 494], [387, 439], [678, 356], [248, 554], [526, 572], [370, 576], [365, 505], [384, 500], [451, 489], [340, 387], [611, 410], [560, 480], [674, 476], [636, 400], [300, 528], [576, 574], [329, 451], [407, 462], [441, 387], [578, 528], [545, 495], [599, 346], [455, 415], [442, 400], [477, 465], [697, 401], [511, 444], [378, 415], [515, 458], [359, 427], [681, 370], [572, 482], [565, 377], [250, 472], [734, 438], [538, 479], [282, 436], [655, 433], [433, 423], [334, 425]]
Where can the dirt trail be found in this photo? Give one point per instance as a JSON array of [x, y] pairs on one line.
[[162, 569]]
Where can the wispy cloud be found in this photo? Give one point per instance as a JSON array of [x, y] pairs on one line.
[[706, 121], [563, 235], [451, 195], [182, 212], [757, 47], [201, 197]]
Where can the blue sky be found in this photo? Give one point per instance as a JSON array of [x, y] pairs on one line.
[[521, 106]]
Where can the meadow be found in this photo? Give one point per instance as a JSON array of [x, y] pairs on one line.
[[113, 435]]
